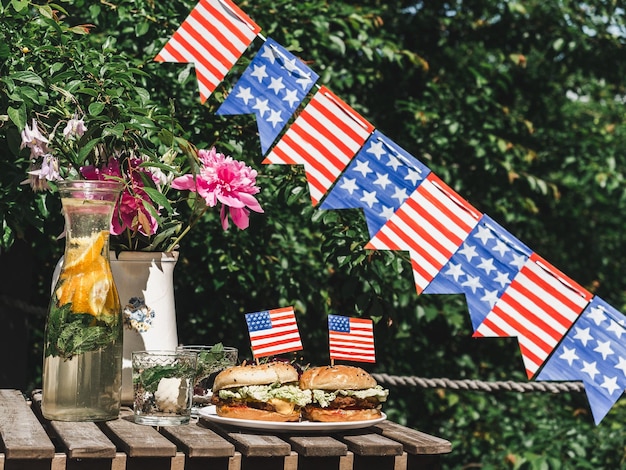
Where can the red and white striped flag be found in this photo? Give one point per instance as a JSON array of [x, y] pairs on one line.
[[431, 225], [351, 339], [214, 36], [323, 138], [273, 332], [538, 307]]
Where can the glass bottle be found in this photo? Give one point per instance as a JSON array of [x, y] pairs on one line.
[[82, 366]]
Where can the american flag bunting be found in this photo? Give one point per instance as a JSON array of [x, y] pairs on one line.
[[482, 268], [272, 87], [538, 308], [378, 180], [213, 37], [351, 339], [273, 332], [593, 351], [431, 225], [324, 137]]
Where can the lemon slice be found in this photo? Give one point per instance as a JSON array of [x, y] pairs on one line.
[[98, 295]]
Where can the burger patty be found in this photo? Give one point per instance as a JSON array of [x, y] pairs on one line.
[[341, 402], [259, 405]]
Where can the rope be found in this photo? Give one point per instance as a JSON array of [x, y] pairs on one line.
[[478, 385], [401, 381]]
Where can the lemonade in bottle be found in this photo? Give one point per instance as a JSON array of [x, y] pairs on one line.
[[83, 336]]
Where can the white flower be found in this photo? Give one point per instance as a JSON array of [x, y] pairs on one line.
[[74, 128], [34, 140]]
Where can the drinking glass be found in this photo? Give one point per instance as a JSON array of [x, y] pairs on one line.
[[163, 386], [211, 361]]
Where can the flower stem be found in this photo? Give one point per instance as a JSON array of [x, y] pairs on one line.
[[192, 222]]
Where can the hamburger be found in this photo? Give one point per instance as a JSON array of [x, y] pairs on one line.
[[341, 393], [265, 392]]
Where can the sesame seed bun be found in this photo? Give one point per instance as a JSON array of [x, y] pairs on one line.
[[338, 377], [252, 374]]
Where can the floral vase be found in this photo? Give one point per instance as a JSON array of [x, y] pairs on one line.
[[145, 282], [82, 366]]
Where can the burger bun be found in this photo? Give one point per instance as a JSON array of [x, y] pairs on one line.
[[337, 377], [328, 415], [244, 412], [255, 374]]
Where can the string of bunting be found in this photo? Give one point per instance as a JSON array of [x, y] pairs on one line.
[[564, 331]]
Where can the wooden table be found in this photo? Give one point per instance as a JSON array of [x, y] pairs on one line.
[[31, 442]]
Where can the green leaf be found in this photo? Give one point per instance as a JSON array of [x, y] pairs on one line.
[[88, 91], [56, 67], [142, 93], [18, 116], [45, 11], [150, 377], [142, 28], [158, 198], [19, 5], [161, 166], [27, 77], [86, 149], [32, 94], [4, 51], [96, 108], [117, 130]]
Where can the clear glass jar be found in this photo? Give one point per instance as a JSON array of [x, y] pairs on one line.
[[82, 366]]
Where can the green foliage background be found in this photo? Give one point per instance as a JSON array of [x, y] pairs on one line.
[[516, 105]]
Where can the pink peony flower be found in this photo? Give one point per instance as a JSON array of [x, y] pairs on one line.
[[222, 179], [132, 214]]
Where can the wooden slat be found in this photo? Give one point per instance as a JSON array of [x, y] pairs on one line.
[[318, 446], [251, 444], [59, 462], [138, 440], [347, 462], [372, 444], [401, 462], [415, 442], [199, 441], [291, 461], [83, 440], [22, 434], [258, 445], [119, 462], [234, 463]]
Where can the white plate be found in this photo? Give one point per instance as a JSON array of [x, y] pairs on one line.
[[303, 426]]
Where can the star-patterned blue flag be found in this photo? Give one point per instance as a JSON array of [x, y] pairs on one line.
[[273, 332], [379, 179], [593, 351], [272, 88], [351, 339], [482, 268]]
